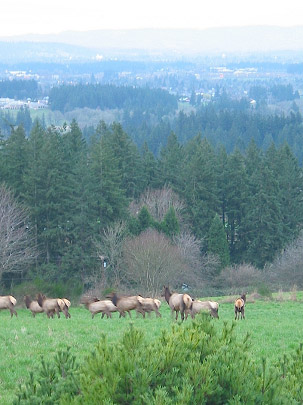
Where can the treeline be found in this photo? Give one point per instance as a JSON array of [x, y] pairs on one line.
[[75, 189], [66, 98], [19, 89], [232, 128]]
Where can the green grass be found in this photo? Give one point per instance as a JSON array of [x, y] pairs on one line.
[[275, 328]]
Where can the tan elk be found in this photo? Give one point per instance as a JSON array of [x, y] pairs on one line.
[[64, 305], [239, 307], [8, 302], [33, 306], [178, 302], [198, 306], [150, 305], [95, 306], [49, 305], [126, 304]]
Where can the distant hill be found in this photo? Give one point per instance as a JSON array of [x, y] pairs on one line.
[[26, 51], [159, 42]]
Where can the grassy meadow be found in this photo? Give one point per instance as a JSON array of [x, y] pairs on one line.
[[275, 328]]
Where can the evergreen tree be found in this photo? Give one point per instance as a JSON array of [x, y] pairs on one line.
[[236, 203], [171, 160], [150, 170], [217, 241], [200, 186], [145, 220], [170, 224], [15, 159], [33, 178], [263, 221], [77, 230], [128, 159], [107, 197]]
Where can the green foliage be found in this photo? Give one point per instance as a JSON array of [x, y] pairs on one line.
[[192, 364], [52, 381], [217, 241], [145, 220], [170, 224]]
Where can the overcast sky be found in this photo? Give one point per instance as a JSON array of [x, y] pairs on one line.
[[53, 16]]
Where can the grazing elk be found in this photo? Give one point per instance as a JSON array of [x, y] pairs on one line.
[[49, 305], [126, 304], [239, 307], [94, 305], [198, 306], [8, 302], [178, 302], [150, 305], [33, 306]]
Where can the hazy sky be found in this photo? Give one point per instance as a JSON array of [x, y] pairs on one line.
[[53, 16]]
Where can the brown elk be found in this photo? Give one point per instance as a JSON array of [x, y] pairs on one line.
[[126, 304], [178, 302], [150, 305], [94, 305], [33, 306], [8, 302], [198, 306], [49, 305], [239, 307]]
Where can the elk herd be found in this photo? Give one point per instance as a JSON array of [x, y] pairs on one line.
[[177, 302]]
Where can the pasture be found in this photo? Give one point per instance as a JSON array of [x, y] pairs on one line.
[[275, 328]]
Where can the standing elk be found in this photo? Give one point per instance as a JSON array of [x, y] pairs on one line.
[[178, 302], [33, 306], [8, 302], [94, 305], [126, 304], [150, 305], [64, 305], [49, 305], [239, 307]]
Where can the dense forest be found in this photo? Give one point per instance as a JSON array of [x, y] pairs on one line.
[[66, 98], [77, 189], [19, 89]]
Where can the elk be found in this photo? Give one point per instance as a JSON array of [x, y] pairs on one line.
[[198, 306], [33, 306], [126, 304], [94, 305], [49, 305], [64, 305], [178, 302], [239, 307], [8, 302], [150, 305]]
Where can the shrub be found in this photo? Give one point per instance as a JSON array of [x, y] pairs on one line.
[[52, 381], [192, 364]]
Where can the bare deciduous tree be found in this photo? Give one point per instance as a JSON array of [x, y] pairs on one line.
[[286, 270], [16, 243], [152, 260], [238, 277], [109, 248], [158, 203]]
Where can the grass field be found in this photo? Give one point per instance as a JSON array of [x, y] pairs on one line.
[[275, 328]]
